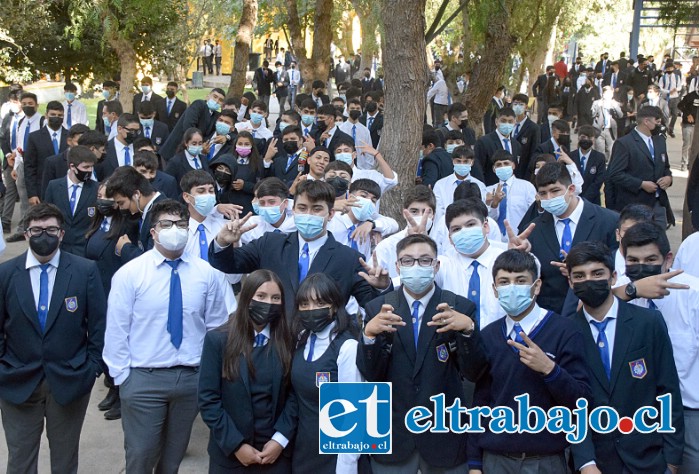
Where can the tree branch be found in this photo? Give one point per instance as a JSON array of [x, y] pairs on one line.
[[430, 38], [437, 19]]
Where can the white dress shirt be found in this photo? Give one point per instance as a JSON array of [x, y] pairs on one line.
[[261, 132], [313, 247], [365, 161], [528, 323], [339, 225], [444, 191], [33, 265], [620, 262], [520, 195], [288, 226], [34, 125], [574, 220], [78, 113], [502, 139], [440, 92], [136, 334], [669, 82], [78, 192], [688, 255], [376, 176], [455, 272], [113, 131], [120, 147], [609, 331], [680, 310]]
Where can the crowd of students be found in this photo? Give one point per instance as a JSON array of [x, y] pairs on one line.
[[509, 277]]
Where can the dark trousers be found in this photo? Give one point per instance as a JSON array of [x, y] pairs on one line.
[[281, 466], [24, 424], [555, 464], [158, 408], [218, 65]]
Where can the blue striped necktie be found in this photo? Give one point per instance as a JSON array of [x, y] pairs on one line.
[[42, 308], [174, 310]]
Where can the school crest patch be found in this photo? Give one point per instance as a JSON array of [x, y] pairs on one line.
[[322, 377], [158, 140], [72, 304], [442, 353], [524, 140], [593, 170], [91, 211], [638, 368]]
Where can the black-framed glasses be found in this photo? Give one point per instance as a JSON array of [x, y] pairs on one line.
[[422, 261], [167, 224], [37, 231]]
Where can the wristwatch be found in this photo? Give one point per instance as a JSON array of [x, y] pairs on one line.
[[630, 290], [373, 224]]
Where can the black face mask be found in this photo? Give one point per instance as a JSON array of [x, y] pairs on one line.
[[106, 207], [659, 130], [321, 125], [81, 175], [170, 94], [315, 320], [290, 147], [564, 140], [639, 271], [592, 292], [130, 137], [355, 114], [43, 245], [28, 110], [341, 185], [126, 213], [585, 143], [223, 179], [55, 123], [371, 107], [264, 313]]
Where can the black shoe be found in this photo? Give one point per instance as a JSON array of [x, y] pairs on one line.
[[16, 237], [114, 413], [109, 401], [671, 133]]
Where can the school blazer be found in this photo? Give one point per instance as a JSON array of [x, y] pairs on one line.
[[40, 147], [529, 137], [642, 368], [178, 108], [144, 241], [593, 176], [76, 224], [56, 166], [68, 353], [486, 146], [418, 374], [279, 253], [226, 406]]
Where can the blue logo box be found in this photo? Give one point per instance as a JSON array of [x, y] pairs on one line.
[[355, 418]]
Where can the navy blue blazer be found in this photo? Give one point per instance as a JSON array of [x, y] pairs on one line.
[[39, 148], [159, 133], [225, 405], [68, 353], [178, 166], [56, 166], [279, 169], [176, 111], [166, 184], [486, 146], [78, 223], [593, 175], [418, 374], [596, 223], [196, 115], [641, 342], [279, 253], [529, 137], [106, 167], [435, 166]]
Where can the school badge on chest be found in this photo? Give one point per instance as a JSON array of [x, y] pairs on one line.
[[322, 377], [524, 140], [158, 140], [593, 170], [72, 304], [91, 211], [442, 353], [638, 368]]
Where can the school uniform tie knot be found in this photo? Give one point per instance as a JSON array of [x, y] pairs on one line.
[[518, 337], [260, 340]]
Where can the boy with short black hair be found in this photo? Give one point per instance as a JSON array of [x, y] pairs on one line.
[[346, 152], [146, 162], [462, 158], [590, 163], [273, 208], [629, 217], [282, 157], [436, 162]]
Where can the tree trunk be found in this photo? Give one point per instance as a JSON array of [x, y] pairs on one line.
[[405, 69], [344, 42], [318, 66], [466, 35], [487, 74], [127, 62], [298, 40], [241, 50]]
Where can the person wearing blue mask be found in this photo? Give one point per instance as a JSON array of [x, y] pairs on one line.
[[190, 157], [257, 123], [312, 249], [414, 337], [75, 111], [501, 138], [346, 152], [153, 129], [462, 158], [109, 93], [567, 221], [146, 95], [511, 197], [273, 208], [308, 110], [355, 228], [541, 355], [453, 139], [219, 143]]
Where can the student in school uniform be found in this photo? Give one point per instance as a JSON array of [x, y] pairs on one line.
[[559, 142], [500, 139], [75, 195], [591, 165], [256, 125], [462, 158], [154, 130], [531, 350], [629, 355], [56, 166], [326, 350], [436, 162], [120, 150], [282, 157], [250, 169], [244, 381], [219, 143], [170, 109], [314, 170], [189, 157], [629, 216], [75, 110], [414, 338], [146, 162], [346, 152], [311, 249], [526, 132], [273, 208], [511, 196]]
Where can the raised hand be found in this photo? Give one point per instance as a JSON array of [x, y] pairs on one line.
[[532, 356], [447, 319], [376, 276], [231, 232], [521, 241], [385, 321], [413, 226]]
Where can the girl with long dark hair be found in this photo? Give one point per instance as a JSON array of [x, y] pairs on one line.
[[243, 381]]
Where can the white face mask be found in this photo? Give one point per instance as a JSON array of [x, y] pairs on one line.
[[173, 239]]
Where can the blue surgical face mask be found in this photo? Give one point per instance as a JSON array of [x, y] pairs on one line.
[[204, 203], [106, 94], [365, 210], [504, 172], [146, 89], [282, 126], [556, 206], [450, 148], [270, 214], [468, 240], [506, 128], [194, 150], [308, 119], [70, 96], [256, 118], [107, 123], [462, 170], [515, 299], [213, 105], [309, 226], [147, 122], [256, 207], [222, 128], [519, 109], [345, 158], [416, 278]]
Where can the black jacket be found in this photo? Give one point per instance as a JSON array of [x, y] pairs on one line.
[[39, 148]]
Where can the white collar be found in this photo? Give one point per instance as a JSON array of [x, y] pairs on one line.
[[611, 314], [265, 332], [325, 333], [313, 245], [71, 183], [586, 155], [503, 137], [529, 322], [575, 216], [33, 262], [158, 258]]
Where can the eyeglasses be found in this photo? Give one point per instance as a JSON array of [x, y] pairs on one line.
[[167, 224], [422, 261], [37, 231]]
